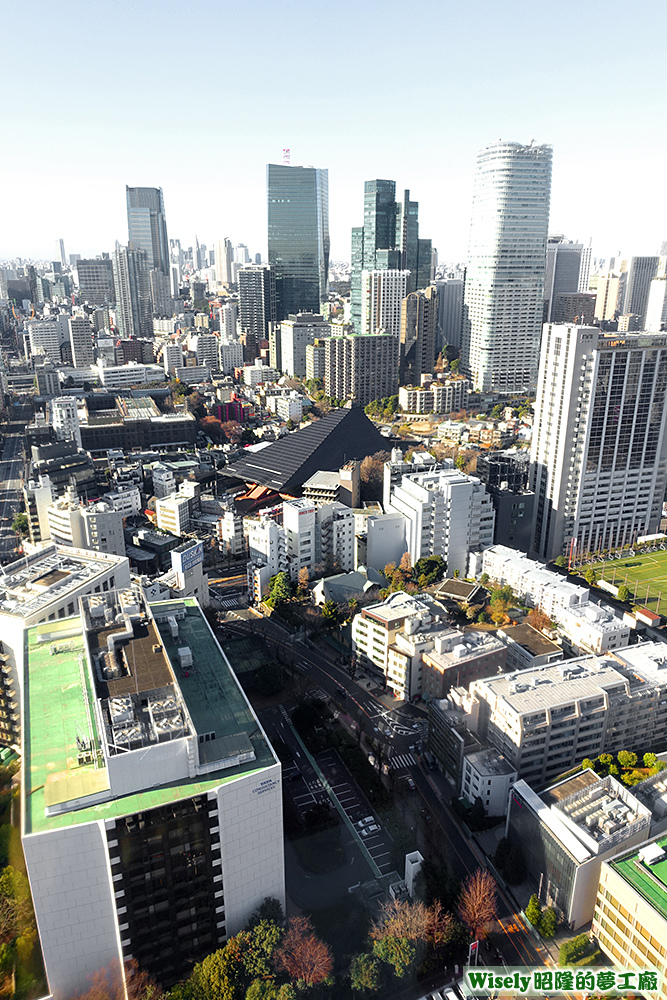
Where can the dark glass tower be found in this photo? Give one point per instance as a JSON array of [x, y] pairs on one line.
[[147, 226], [298, 236], [388, 239]]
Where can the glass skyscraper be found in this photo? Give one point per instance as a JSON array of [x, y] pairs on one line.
[[298, 236], [388, 240], [506, 266], [147, 225]]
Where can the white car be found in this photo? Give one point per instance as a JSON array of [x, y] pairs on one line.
[[370, 830], [365, 822]]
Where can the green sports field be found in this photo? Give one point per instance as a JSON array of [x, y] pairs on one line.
[[643, 574]]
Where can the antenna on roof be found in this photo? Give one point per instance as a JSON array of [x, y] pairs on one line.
[[286, 157]]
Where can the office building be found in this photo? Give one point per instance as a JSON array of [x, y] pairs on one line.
[[257, 300], [361, 367], [419, 330], [505, 475], [388, 240], [147, 226], [81, 339], [382, 293], [161, 297], [95, 279], [98, 527], [154, 783], [133, 422], [206, 347], [607, 296], [640, 273], [504, 289], [172, 356], [342, 486], [298, 237], [223, 261], [296, 333], [49, 337], [450, 312], [630, 917], [458, 658], [231, 355], [487, 776], [65, 419], [574, 307], [447, 514], [568, 831], [656, 307], [175, 511], [599, 448], [562, 272], [37, 495], [229, 314], [47, 379], [134, 307]]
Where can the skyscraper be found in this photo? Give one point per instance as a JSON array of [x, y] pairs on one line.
[[641, 272], [147, 225], [562, 273], [382, 292], [506, 265], [599, 448], [223, 261], [96, 281], [131, 274], [388, 240], [419, 326], [257, 299], [298, 236]]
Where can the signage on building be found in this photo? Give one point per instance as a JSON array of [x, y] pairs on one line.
[[192, 557]]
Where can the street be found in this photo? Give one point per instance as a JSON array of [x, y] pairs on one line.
[[11, 467]]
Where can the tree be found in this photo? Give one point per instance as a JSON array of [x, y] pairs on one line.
[[590, 576], [406, 563], [571, 951], [107, 984], [626, 758], [561, 562], [534, 911], [539, 619], [548, 923], [269, 909], [353, 606], [261, 942], [649, 759], [477, 905], [623, 594], [280, 588], [365, 973], [484, 579], [220, 974], [371, 473], [399, 953], [587, 764], [302, 955], [304, 577], [21, 525], [330, 612]]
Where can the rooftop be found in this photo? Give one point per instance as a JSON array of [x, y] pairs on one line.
[[489, 762], [32, 583], [530, 639], [539, 688], [68, 764], [648, 878]]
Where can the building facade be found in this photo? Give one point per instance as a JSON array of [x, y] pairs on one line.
[[504, 289], [147, 226], [298, 236], [599, 448]]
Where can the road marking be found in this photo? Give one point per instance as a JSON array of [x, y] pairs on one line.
[[402, 760]]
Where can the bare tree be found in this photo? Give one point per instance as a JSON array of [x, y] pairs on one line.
[[477, 905]]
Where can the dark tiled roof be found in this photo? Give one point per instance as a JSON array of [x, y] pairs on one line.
[[327, 444]]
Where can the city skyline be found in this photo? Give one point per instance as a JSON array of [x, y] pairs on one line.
[[458, 105]]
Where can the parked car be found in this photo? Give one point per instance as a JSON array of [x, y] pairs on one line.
[[364, 822], [370, 830]]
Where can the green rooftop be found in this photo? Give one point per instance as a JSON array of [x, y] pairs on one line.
[[58, 708], [650, 881]]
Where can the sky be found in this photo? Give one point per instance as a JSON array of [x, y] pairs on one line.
[[197, 99]]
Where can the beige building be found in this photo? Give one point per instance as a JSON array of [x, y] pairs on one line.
[[630, 920]]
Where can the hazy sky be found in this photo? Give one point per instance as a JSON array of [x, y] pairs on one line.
[[197, 98]]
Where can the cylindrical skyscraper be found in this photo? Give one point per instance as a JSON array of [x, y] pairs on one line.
[[506, 265]]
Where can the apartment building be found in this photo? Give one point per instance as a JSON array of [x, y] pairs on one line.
[[444, 396], [361, 367], [458, 658]]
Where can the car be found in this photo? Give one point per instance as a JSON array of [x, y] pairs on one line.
[[370, 830], [371, 760], [364, 822], [342, 692], [411, 784]]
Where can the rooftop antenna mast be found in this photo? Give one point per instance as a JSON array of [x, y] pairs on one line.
[[286, 158]]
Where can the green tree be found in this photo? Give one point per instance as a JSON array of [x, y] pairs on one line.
[[330, 612], [571, 951], [21, 525], [548, 923], [590, 576], [626, 758], [649, 759], [262, 941], [268, 909], [262, 989], [534, 911], [365, 973], [280, 588], [219, 975], [623, 594], [484, 579], [399, 953], [561, 562], [587, 763], [606, 759]]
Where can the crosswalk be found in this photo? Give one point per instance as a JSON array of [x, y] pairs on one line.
[[230, 602], [402, 760]]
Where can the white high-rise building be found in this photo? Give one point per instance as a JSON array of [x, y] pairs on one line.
[[446, 513], [65, 419], [506, 266], [382, 294], [48, 336], [599, 448], [231, 355], [296, 333], [172, 356]]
